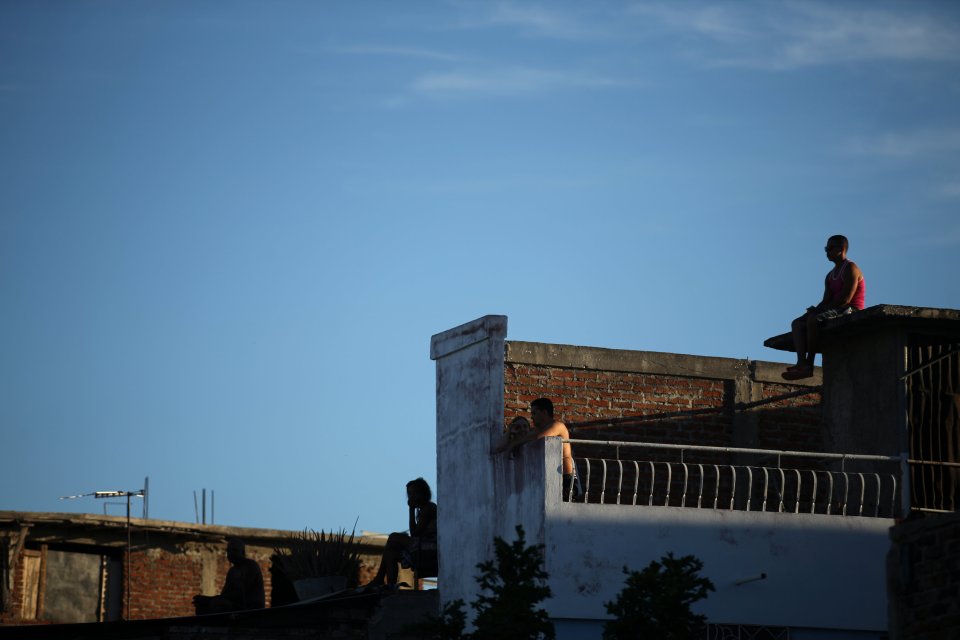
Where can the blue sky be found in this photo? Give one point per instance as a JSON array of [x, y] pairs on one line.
[[228, 231]]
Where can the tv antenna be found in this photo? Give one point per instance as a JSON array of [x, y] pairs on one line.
[[101, 495]]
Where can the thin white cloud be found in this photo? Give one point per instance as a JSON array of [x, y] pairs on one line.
[[949, 190], [906, 144], [540, 21], [389, 51], [505, 82], [792, 35], [544, 21]]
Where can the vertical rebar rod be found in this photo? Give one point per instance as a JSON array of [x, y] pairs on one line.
[[603, 481], [620, 479], [653, 481], [686, 476], [766, 486], [586, 490], [666, 502], [700, 494], [783, 487], [813, 494], [716, 489], [796, 508], [733, 487], [830, 492]]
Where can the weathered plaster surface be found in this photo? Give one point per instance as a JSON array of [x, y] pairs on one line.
[[823, 572], [469, 412]]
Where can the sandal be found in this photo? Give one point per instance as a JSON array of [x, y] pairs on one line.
[[798, 373]]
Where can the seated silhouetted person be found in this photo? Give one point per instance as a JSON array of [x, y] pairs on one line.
[[418, 550], [243, 588], [844, 290]]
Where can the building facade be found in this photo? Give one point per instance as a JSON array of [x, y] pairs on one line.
[[786, 492], [69, 568]]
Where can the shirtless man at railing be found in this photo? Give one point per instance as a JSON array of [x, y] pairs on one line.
[[544, 426]]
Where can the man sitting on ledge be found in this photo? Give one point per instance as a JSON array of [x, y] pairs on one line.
[[243, 588], [843, 292]]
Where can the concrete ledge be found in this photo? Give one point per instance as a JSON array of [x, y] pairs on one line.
[[651, 362], [927, 317], [575, 357], [782, 342], [458, 338], [80, 526]]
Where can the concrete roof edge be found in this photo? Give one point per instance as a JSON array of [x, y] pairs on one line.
[[458, 338], [209, 531], [652, 362]]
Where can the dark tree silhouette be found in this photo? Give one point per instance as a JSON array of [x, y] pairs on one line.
[[655, 603], [512, 584]]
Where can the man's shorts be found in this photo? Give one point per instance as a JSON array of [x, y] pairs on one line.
[[571, 481], [834, 313]]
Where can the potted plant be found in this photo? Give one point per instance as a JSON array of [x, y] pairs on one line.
[[320, 563]]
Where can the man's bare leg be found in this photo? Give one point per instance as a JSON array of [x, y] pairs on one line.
[[813, 338], [799, 328], [806, 332]]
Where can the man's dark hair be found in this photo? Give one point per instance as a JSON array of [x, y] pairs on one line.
[[421, 485], [543, 404], [841, 239]]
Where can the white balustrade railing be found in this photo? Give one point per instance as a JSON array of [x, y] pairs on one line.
[[871, 490]]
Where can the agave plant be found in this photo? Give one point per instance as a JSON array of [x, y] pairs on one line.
[[316, 555]]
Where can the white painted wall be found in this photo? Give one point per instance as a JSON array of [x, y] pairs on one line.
[[822, 571], [469, 404]]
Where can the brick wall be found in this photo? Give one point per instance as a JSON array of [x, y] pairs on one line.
[[586, 395], [166, 579], [792, 423], [583, 394], [604, 394], [166, 571], [923, 578]]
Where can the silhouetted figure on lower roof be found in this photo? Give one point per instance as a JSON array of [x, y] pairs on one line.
[[417, 550], [243, 588]]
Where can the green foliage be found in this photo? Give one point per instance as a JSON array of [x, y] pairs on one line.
[[516, 582], [513, 583], [317, 555], [655, 603]]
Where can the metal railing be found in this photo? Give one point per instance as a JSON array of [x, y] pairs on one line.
[[827, 483], [932, 382], [746, 632]]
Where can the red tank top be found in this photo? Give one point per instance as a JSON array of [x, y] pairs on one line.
[[835, 286]]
